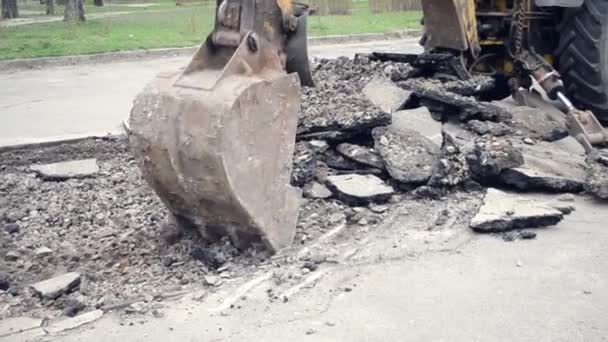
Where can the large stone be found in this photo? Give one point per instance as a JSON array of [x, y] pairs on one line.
[[385, 94], [409, 156], [359, 189], [55, 287], [361, 154], [65, 170], [419, 120], [547, 167], [503, 211]]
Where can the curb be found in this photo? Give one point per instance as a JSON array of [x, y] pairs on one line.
[[37, 63], [54, 141]]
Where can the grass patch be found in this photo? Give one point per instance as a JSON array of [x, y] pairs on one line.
[[160, 28]]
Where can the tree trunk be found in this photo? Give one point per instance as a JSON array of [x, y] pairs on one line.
[[98, 3], [50, 7], [74, 11], [9, 9]]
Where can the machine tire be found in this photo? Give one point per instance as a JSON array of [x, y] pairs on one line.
[[583, 56]]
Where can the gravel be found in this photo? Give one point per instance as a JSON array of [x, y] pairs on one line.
[[113, 230], [110, 228]]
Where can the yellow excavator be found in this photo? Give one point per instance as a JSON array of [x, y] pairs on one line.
[[215, 139], [559, 47]]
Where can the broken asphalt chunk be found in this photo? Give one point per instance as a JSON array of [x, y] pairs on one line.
[[534, 122], [468, 108], [56, 286], [547, 167], [452, 167], [361, 154], [419, 120], [360, 189], [316, 190], [337, 161], [66, 170], [496, 129], [337, 103], [385, 94], [478, 84], [503, 211], [490, 157], [409, 156], [596, 180]]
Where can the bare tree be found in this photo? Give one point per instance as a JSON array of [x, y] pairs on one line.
[[74, 11], [9, 9], [50, 7]]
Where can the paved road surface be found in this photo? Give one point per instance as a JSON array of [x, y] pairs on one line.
[[473, 288], [61, 102], [552, 288]]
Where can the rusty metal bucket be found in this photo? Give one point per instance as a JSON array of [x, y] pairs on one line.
[[215, 142]]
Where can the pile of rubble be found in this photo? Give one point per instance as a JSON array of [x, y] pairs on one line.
[[439, 137], [82, 231]]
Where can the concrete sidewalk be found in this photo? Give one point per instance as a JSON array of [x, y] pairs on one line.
[[68, 102]]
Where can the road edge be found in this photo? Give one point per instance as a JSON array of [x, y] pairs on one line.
[[109, 57], [26, 144]]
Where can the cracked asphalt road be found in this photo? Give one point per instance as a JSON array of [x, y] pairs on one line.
[[434, 287]]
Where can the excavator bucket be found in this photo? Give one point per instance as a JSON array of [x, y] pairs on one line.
[[215, 141]]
